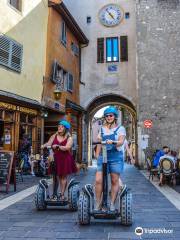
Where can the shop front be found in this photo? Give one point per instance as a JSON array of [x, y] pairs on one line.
[[15, 122]]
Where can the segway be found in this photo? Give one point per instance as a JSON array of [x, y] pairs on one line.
[[87, 200], [42, 195]]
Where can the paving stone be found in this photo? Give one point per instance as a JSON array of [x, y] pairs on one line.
[[22, 219]]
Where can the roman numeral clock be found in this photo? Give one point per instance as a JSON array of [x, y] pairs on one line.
[[111, 15]]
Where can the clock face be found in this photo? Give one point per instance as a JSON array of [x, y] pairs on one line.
[[111, 15]]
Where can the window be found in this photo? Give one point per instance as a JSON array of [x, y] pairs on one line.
[[75, 49], [16, 4], [124, 48], [127, 15], [112, 50], [100, 50], [10, 53], [70, 83], [88, 19], [63, 34]]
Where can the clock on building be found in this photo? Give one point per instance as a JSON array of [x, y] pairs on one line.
[[111, 15]]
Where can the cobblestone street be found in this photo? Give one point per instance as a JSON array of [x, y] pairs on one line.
[[150, 210]]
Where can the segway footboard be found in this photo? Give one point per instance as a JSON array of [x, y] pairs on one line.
[[126, 208]]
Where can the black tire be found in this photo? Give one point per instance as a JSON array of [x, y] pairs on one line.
[[126, 209], [84, 209], [73, 196], [39, 199]]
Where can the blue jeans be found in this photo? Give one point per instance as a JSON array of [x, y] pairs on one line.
[[115, 163]]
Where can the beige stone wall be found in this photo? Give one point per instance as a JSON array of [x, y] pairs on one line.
[[28, 28]]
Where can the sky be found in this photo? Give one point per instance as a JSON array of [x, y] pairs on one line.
[[100, 112]]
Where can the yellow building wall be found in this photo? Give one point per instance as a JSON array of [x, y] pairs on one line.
[[29, 28]]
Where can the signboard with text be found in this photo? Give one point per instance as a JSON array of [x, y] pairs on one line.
[[6, 168]]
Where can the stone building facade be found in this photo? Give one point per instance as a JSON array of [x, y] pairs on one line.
[[158, 68], [150, 78]]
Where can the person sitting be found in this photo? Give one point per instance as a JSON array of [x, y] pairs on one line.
[[159, 154], [171, 155]]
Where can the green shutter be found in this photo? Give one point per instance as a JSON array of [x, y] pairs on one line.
[[100, 50], [124, 48]]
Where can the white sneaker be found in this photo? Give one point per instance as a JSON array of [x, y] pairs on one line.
[[112, 207], [97, 207], [33, 174]]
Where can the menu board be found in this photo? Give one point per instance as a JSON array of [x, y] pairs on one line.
[[6, 168]]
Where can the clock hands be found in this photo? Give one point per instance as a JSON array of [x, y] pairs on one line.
[[110, 14]]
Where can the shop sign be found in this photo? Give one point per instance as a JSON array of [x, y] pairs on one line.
[[7, 106], [27, 110]]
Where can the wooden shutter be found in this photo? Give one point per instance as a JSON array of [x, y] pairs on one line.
[[4, 50], [10, 53], [70, 83], [124, 48], [16, 57], [100, 50]]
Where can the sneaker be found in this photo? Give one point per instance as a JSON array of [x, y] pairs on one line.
[[33, 174], [112, 207], [97, 207]]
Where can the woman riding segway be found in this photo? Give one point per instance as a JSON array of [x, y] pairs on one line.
[[64, 164], [110, 132]]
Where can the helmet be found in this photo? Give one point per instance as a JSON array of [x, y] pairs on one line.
[[111, 110], [65, 123]]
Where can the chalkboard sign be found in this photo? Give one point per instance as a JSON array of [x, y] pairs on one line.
[[6, 168]]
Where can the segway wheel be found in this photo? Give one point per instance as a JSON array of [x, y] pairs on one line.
[[126, 209], [73, 196], [39, 199], [84, 209]]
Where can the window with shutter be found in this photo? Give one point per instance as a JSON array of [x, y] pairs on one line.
[[16, 4], [100, 50], [63, 34], [70, 83], [124, 48], [10, 53]]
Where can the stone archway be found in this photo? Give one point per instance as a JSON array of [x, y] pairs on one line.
[[100, 102]]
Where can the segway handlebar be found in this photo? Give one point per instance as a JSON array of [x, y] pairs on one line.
[[50, 147], [104, 142]]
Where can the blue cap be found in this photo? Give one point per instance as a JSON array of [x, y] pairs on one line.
[[111, 110], [65, 123]]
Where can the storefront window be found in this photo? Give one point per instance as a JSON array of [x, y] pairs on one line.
[[1, 133], [31, 119], [9, 116], [23, 118], [1, 114]]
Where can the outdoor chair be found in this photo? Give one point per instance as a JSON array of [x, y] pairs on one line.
[[167, 169], [178, 171], [152, 170]]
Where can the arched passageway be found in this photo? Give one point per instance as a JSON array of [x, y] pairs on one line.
[[128, 120]]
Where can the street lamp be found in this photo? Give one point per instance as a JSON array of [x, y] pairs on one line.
[[44, 113], [57, 94]]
